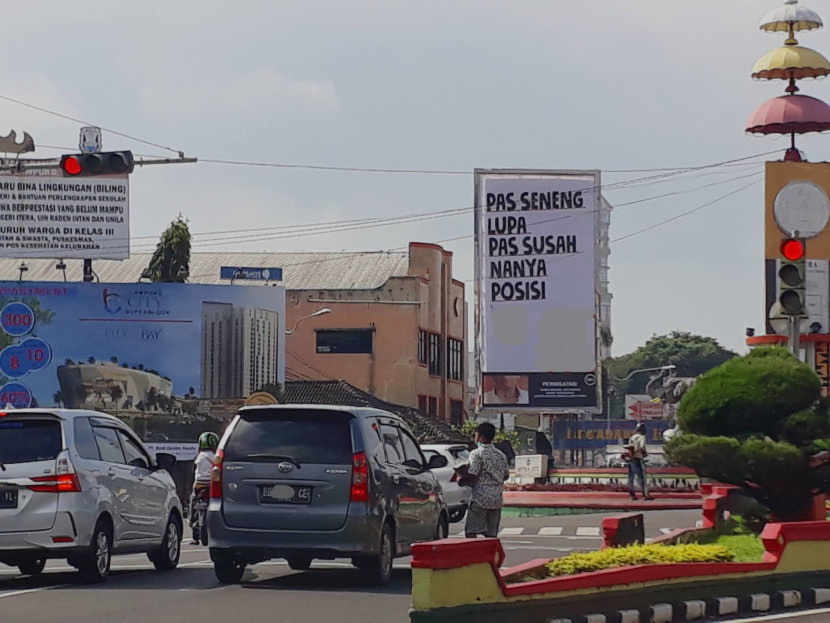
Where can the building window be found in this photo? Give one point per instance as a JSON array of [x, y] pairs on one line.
[[455, 359], [456, 412], [423, 357], [345, 341], [422, 404], [432, 411], [434, 354]]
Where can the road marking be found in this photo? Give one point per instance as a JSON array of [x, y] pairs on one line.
[[550, 531], [667, 530], [786, 616], [511, 531], [31, 590], [587, 531]]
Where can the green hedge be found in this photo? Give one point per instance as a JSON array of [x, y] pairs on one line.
[[650, 554]]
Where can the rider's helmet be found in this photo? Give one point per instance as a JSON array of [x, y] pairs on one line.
[[208, 441]]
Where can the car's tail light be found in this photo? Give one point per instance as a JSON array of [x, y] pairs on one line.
[[454, 476], [216, 476], [360, 478], [65, 480]]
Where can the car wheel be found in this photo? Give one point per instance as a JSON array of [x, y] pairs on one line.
[[166, 557], [458, 514], [228, 570], [300, 563], [203, 534], [379, 567], [32, 567], [442, 529], [95, 564]]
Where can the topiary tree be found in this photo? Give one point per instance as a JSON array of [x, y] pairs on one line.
[[171, 261], [758, 421]]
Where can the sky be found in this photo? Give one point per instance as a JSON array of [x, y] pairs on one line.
[[624, 87]]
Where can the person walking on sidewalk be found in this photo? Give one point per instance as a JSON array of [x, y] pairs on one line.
[[489, 466], [636, 455]]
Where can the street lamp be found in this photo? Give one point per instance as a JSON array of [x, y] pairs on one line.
[[319, 312], [633, 372]]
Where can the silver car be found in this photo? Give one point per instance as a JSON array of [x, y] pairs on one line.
[[316, 481], [80, 486]]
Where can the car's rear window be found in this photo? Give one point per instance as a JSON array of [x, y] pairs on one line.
[[28, 441], [460, 454], [321, 437]]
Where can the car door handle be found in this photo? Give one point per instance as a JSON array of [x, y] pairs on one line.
[[111, 472]]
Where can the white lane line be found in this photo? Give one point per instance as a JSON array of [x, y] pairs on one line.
[[511, 531], [587, 531], [550, 531], [31, 590]]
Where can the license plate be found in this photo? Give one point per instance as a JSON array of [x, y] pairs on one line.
[[8, 498], [285, 494]]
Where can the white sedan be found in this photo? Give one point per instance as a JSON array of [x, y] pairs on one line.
[[456, 497]]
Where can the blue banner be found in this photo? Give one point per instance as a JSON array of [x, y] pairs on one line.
[[178, 351], [598, 434]]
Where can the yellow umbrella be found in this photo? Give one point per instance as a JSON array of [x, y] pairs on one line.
[[791, 62]]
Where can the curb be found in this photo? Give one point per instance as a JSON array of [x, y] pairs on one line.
[[697, 610]]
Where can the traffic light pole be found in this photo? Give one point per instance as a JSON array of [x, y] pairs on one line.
[[794, 336]]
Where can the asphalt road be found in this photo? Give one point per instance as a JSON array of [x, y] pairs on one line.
[[330, 591]]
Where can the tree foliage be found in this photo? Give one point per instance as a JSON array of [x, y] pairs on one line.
[[692, 354], [749, 395], [171, 261], [757, 421]]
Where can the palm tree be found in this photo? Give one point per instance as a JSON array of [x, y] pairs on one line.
[[114, 359], [116, 393], [58, 398], [91, 359]]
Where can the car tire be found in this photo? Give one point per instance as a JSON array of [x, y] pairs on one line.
[[442, 528], [166, 557], [94, 566], [299, 563], [229, 570], [379, 567], [203, 534], [458, 514], [32, 567]]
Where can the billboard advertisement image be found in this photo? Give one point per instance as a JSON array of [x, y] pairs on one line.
[[171, 352], [536, 289]]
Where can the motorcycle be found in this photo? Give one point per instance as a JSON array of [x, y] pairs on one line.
[[198, 514]]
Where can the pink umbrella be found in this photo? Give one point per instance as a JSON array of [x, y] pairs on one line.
[[790, 114]]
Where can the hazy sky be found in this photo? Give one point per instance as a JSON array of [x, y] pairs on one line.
[[450, 85]]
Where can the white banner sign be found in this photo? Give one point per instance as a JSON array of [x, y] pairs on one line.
[[536, 288], [186, 451], [45, 215]]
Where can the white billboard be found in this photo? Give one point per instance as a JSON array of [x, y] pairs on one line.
[[536, 301], [45, 215]]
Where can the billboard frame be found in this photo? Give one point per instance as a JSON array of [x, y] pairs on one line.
[[479, 174]]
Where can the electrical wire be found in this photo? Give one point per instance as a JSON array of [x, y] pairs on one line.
[[62, 116]]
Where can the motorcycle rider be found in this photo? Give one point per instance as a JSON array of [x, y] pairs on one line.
[[208, 442]]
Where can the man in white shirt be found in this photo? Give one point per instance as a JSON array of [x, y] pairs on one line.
[[636, 468], [203, 466]]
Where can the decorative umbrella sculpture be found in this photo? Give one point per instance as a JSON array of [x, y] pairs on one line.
[[792, 113]]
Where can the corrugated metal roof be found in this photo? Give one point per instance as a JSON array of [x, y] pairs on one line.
[[300, 271]]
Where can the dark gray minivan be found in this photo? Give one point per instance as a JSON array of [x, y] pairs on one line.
[[316, 481]]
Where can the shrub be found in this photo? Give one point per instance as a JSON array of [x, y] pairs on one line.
[[803, 428], [710, 457], [650, 554], [749, 395]]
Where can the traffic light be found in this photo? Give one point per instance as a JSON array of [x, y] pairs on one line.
[[792, 277], [104, 163]]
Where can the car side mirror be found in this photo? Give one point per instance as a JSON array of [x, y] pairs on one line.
[[139, 462], [437, 461], [165, 461]]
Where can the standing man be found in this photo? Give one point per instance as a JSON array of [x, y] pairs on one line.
[[489, 465], [636, 454]]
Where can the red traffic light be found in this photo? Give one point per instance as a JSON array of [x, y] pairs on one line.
[[792, 249], [102, 163], [71, 165]]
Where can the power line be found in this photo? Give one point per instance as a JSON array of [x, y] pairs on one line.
[[62, 116]]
